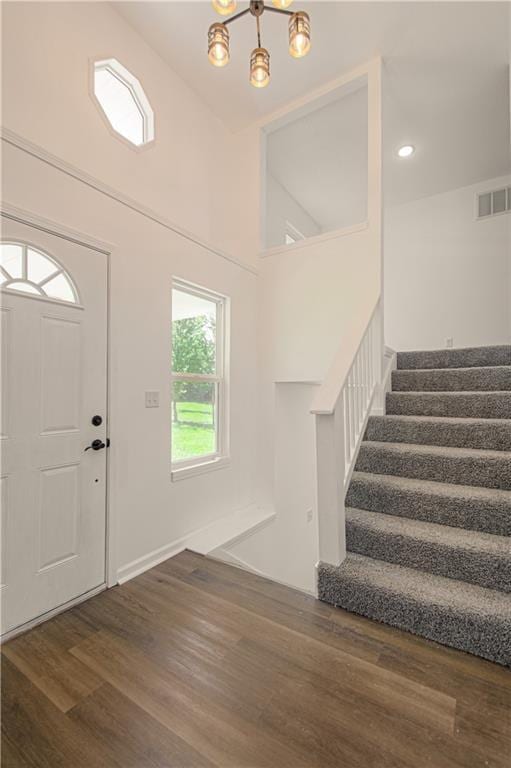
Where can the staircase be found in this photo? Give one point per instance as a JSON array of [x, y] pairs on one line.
[[428, 509]]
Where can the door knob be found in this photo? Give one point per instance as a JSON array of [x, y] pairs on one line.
[[96, 445]]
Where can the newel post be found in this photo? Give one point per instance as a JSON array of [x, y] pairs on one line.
[[330, 473]]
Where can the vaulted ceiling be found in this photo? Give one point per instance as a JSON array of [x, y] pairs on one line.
[[446, 76]]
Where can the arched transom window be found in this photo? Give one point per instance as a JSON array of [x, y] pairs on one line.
[[28, 270]]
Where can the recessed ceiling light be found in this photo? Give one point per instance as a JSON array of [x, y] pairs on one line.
[[406, 151]]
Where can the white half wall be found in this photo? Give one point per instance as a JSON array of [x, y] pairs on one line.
[[287, 549], [446, 274]]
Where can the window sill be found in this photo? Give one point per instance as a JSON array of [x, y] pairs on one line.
[[182, 473]]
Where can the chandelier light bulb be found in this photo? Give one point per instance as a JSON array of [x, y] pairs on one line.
[[406, 151], [299, 34], [218, 45], [260, 68], [218, 35], [224, 7]]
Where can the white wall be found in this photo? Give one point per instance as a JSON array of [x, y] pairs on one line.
[[312, 297], [46, 100], [150, 511], [190, 174], [287, 550], [315, 296], [446, 274]]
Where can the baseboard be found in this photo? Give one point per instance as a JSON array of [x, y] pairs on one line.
[[157, 556], [222, 532]]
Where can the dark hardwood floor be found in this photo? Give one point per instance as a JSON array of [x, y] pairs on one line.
[[195, 664]]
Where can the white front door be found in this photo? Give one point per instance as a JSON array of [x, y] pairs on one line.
[[54, 384]]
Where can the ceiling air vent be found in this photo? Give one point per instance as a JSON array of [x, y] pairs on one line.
[[494, 203]]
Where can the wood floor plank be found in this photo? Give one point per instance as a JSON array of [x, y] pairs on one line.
[[178, 707], [61, 677], [44, 735], [429, 704], [230, 602], [373, 688], [195, 664], [136, 738]]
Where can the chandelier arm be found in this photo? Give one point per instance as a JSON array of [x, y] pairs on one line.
[[236, 16], [278, 10]]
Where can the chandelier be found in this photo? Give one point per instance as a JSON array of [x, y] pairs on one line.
[[218, 36]]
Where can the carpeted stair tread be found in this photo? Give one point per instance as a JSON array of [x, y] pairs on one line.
[[472, 405], [491, 434], [465, 616], [468, 357], [428, 508], [487, 379], [478, 558], [460, 506], [463, 466]]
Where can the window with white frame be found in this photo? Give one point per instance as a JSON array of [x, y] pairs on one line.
[[25, 269], [123, 101], [199, 391]]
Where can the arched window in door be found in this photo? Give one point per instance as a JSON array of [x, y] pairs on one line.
[[27, 270]]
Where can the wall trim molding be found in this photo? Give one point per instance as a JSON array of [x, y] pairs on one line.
[[18, 141], [23, 216], [221, 532], [307, 242]]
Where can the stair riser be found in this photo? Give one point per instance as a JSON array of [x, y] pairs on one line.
[[490, 436], [475, 567], [455, 358], [469, 514], [452, 380], [492, 405], [486, 472], [489, 638]]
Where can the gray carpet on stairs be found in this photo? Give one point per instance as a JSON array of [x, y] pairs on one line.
[[453, 380], [460, 506], [479, 558], [491, 434], [429, 505], [469, 357], [463, 466], [465, 616], [465, 405]]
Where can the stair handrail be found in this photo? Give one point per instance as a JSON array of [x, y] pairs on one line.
[[341, 408]]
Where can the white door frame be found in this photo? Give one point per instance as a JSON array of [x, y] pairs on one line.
[[87, 241]]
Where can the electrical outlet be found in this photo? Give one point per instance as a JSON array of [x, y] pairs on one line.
[[152, 399], [309, 515], [449, 342]]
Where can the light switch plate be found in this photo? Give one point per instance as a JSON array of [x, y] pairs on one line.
[[152, 399]]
